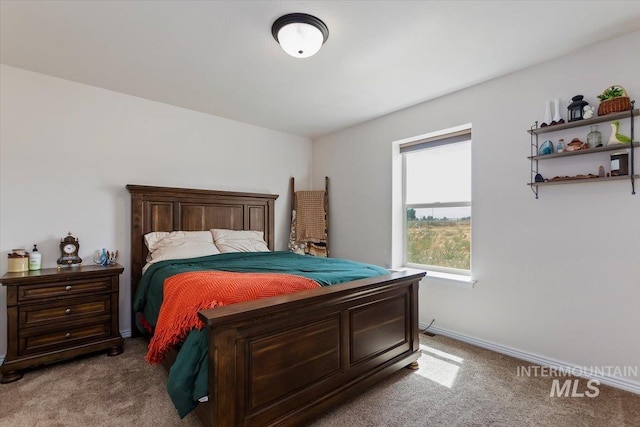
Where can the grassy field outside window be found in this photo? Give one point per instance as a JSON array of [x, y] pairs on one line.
[[441, 242]]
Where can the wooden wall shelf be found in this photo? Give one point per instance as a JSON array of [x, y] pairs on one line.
[[585, 122], [589, 151], [534, 158], [583, 180]]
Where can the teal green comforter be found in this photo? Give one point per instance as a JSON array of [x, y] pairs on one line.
[[187, 380]]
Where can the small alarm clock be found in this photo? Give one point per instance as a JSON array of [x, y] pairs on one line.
[[69, 247]]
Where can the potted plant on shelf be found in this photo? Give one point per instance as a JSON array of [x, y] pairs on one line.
[[613, 100]]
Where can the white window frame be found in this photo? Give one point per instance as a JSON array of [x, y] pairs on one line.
[[458, 134]]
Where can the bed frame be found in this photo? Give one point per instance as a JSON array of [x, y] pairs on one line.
[[284, 360]]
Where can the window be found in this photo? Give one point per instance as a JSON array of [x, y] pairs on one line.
[[437, 201]]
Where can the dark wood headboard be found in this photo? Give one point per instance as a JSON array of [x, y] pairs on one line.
[[175, 209]]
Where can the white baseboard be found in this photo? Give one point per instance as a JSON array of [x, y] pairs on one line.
[[617, 382]]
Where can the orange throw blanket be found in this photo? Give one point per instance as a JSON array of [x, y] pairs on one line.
[[187, 293]]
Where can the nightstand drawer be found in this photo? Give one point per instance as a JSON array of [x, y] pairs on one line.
[[42, 341], [64, 310], [62, 289]]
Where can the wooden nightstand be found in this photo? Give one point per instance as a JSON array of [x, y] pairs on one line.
[[56, 314]]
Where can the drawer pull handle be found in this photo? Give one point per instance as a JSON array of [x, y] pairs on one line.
[[67, 335], [68, 287], [68, 311]]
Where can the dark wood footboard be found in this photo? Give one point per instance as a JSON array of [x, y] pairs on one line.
[[285, 360]]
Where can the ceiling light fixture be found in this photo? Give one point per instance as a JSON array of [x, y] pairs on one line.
[[299, 34]]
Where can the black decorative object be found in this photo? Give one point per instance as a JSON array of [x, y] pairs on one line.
[[538, 178], [576, 108]]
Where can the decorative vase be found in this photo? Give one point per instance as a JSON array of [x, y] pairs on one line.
[[557, 118], [594, 138], [547, 114], [545, 148]]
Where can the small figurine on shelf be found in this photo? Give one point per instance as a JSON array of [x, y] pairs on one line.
[[616, 137], [576, 145], [560, 146], [587, 112]]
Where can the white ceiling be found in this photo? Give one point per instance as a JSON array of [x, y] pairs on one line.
[[219, 57]]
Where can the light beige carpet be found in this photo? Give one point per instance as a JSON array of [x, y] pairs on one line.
[[457, 385]]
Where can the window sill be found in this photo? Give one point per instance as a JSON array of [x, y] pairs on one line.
[[458, 280], [451, 279]]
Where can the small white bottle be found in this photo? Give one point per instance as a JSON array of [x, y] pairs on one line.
[[35, 259]]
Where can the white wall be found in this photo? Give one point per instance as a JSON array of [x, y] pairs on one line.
[[558, 276], [67, 151]]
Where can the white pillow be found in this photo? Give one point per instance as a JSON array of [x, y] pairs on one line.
[[163, 245], [239, 240]]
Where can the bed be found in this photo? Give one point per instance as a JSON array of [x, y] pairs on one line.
[[336, 341]]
